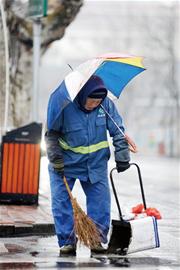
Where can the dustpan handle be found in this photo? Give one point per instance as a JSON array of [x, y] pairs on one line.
[[115, 193], [141, 184]]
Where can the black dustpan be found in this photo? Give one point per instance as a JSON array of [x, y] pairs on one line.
[[121, 233], [120, 237]]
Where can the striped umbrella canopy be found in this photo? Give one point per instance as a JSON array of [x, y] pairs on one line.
[[116, 70]]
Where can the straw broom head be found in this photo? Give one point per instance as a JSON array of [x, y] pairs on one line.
[[85, 228]]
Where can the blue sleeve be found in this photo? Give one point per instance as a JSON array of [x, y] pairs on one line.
[[53, 133], [54, 113], [120, 144]]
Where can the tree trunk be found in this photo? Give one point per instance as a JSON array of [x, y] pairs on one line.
[[60, 15]]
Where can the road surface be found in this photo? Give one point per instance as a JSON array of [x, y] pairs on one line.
[[161, 183]]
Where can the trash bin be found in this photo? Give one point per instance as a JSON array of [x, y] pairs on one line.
[[20, 165]]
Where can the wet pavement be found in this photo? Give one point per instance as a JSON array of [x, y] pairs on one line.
[[161, 184], [42, 253]]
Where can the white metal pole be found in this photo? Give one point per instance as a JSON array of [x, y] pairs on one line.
[[6, 45], [36, 64]]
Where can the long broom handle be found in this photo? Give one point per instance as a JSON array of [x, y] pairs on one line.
[[68, 188], [130, 142]]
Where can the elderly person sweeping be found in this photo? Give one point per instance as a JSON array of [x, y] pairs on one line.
[[78, 148]]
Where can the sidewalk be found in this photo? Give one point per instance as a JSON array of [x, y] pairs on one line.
[[18, 220]]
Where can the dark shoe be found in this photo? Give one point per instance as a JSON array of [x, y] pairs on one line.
[[67, 250], [99, 249]]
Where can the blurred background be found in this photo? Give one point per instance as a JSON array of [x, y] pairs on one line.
[[150, 103]]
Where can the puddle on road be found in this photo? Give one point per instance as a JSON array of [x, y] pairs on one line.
[[144, 262], [14, 248], [140, 262], [17, 266]]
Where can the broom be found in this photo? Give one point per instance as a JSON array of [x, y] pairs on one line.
[[84, 227]]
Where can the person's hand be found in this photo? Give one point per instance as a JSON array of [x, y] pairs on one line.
[[58, 166], [122, 166], [132, 145], [60, 171]]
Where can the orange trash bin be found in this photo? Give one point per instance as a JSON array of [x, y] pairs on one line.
[[20, 165]]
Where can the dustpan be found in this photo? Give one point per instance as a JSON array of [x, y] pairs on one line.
[[134, 235]]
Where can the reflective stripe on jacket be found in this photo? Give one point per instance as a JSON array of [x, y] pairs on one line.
[[84, 149]]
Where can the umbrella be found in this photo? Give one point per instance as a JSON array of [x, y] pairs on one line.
[[116, 70]]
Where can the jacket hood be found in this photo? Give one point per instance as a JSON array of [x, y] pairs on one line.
[[94, 84]]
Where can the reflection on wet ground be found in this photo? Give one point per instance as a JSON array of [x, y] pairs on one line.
[[16, 266], [42, 253], [34, 252], [140, 261], [13, 248], [108, 263]]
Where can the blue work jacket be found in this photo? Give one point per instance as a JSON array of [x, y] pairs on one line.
[[83, 141]]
